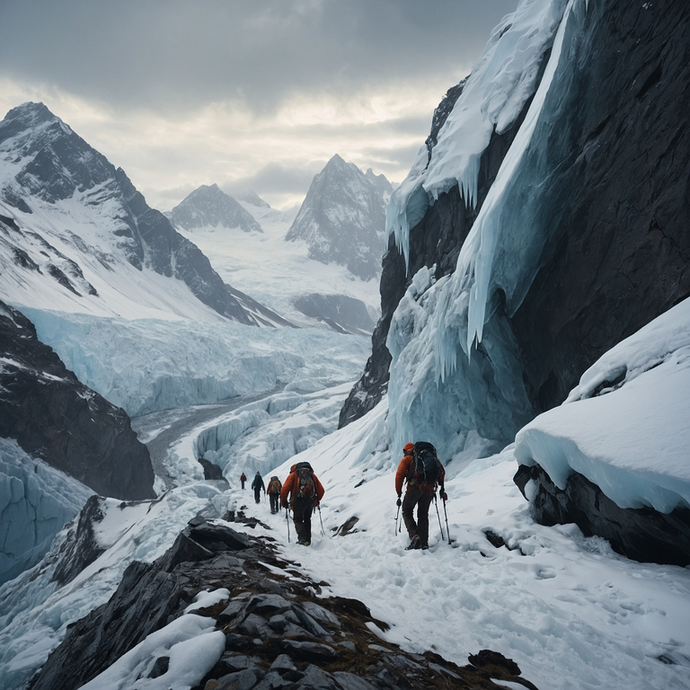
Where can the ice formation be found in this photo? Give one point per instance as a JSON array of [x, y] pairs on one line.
[[436, 330], [35, 502]]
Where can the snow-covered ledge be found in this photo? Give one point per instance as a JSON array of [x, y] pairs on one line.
[[615, 457]]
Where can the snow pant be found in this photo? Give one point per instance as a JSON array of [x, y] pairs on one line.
[[301, 514], [243, 481], [257, 495], [414, 496], [275, 498]]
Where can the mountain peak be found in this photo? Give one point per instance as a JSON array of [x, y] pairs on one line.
[[342, 219], [210, 206]]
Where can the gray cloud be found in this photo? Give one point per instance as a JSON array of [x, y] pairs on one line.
[[164, 54], [246, 93]]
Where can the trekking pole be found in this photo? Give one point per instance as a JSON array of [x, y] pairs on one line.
[[438, 515], [323, 533], [287, 522], [397, 516], [445, 512]]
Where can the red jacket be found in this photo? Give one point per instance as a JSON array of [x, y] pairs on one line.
[[406, 471], [289, 486]]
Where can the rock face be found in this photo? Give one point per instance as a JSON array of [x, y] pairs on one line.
[[278, 634], [641, 534], [45, 164], [609, 180], [54, 417], [343, 219], [209, 206]]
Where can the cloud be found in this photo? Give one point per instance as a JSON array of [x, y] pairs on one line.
[[183, 93]]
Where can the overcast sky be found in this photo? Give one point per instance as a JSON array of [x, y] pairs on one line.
[[254, 94]]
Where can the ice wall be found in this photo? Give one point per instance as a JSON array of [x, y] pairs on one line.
[[455, 376], [147, 365], [494, 95], [36, 501]]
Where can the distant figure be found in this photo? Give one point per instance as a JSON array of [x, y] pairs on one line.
[[423, 470], [305, 493], [274, 488], [243, 479], [258, 485]]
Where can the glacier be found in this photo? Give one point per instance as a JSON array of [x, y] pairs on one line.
[[36, 500], [144, 365]]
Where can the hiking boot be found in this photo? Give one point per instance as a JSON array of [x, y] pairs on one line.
[[415, 543], [425, 547], [304, 543]]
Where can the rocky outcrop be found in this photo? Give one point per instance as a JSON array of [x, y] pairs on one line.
[[278, 632], [642, 534], [52, 416], [342, 313], [609, 182]]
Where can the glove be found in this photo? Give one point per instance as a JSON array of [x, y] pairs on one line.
[[398, 502], [444, 495], [283, 504]]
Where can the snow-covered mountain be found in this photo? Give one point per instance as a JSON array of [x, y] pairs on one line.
[[342, 218], [75, 235], [208, 206], [283, 275]]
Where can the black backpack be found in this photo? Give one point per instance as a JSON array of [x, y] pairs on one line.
[[427, 467], [304, 486]]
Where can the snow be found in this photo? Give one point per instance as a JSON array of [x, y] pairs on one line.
[[191, 644], [571, 612], [613, 438], [286, 272]]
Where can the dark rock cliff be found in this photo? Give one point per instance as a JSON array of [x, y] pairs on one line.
[[279, 633], [54, 417], [614, 203]]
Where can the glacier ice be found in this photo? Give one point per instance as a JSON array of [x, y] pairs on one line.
[[146, 365], [454, 345], [36, 501], [501, 81]]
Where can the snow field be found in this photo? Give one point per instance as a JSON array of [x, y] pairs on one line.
[[568, 610]]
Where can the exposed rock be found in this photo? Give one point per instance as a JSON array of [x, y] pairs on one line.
[[342, 313], [642, 534], [56, 418], [321, 643]]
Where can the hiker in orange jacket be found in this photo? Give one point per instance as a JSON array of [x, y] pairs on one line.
[[420, 493], [303, 492]]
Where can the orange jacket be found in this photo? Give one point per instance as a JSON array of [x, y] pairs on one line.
[[289, 485], [406, 471]]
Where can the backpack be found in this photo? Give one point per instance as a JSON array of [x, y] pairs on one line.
[[427, 468], [304, 486], [274, 486]]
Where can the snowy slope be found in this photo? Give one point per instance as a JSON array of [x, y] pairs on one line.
[[279, 273]]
